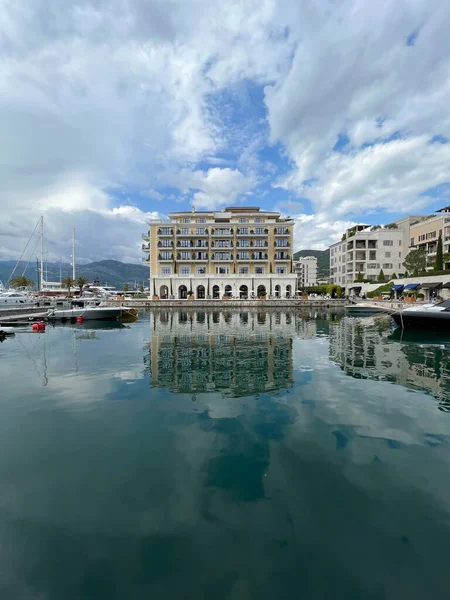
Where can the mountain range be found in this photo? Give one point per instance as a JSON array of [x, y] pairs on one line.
[[107, 272], [116, 273]]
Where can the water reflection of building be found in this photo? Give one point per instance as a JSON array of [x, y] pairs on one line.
[[235, 353], [371, 349]]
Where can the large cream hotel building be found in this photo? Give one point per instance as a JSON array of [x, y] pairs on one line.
[[239, 252]]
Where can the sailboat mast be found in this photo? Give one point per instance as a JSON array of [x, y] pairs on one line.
[[73, 254], [42, 255]]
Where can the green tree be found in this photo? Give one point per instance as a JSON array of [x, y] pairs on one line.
[[416, 260], [381, 276], [21, 281], [68, 283], [359, 277], [81, 282], [394, 276], [439, 264], [141, 289], [125, 287]]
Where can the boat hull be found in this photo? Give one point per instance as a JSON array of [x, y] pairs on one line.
[[108, 313], [423, 319]]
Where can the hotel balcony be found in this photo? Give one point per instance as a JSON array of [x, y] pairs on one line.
[[261, 258], [161, 245], [282, 245], [191, 234], [264, 234], [146, 237], [187, 259], [218, 233], [281, 231], [244, 232], [228, 258], [282, 258], [199, 259], [243, 259], [165, 259], [165, 232], [146, 259]]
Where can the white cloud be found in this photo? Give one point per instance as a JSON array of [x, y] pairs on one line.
[[315, 232]]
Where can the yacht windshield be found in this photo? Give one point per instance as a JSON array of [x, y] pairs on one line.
[[443, 304]]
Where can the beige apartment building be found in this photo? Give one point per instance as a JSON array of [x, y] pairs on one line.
[[424, 233], [367, 250], [239, 252]]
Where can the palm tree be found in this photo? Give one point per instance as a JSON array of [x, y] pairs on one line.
[[68, 283], [81, 282], [21, 281]]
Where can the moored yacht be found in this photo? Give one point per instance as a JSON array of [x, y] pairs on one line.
[[428, 315], [89, 309], [14, 298]]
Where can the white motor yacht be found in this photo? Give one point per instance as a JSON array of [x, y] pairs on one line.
[[89, 309], [14, 298]]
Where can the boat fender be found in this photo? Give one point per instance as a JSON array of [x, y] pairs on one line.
[[35, 327], [80, 320]]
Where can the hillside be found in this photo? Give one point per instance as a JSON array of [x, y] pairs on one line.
[[323, 260], [110, 272]]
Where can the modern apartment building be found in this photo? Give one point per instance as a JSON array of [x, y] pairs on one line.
[[242, 252], [424, 233], [367, 250], [305, 268]]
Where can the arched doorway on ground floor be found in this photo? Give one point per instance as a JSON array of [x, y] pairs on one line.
[[243, 292], [163, 292], [216, 292], [261, 291], [182, 292], [288, 291], [201, 294], [228, 290], [277, 291]]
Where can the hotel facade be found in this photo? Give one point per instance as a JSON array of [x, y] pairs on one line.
[[240, 252]]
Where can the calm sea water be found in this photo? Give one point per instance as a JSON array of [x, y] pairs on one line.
[[234, 456]]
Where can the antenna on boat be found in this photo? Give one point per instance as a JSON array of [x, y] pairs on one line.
[[41, 287]]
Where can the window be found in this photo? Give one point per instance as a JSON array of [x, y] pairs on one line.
[[373, 266], [185, 255], [242, 220], [243, 255], [165, 231], [166, 243], [399, 254], [166, 256], [223, 231], [281, 270], [222, 270], [200, 256], [185, 231], [399, 242], [388, 243], [201, 244], [282, 243], [201, 220], [200, 231], [185, 220], [244, 243], [222, 256], [243, 230], [259, 270], [387, 254], [260, 243], [166, 270], [243, 270], [222, 244], [185, 270], [201, 270], [184, 243], [258, 220], [411, 242], [259, 230], [387, 265]]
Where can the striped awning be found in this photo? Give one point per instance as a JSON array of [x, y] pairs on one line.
[[412, 286]]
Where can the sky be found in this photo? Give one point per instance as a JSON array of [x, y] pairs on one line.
[[116, 112]]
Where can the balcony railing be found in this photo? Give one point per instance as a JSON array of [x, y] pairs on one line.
[[146, 247], [285, 257], [257, 257], [145, 237], [165, 232], [165, 259], [228, 258], [281, 231], [221, 232]]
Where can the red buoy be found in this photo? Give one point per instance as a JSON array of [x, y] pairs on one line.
[[35, 327], [80, 320], [41, 326]]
